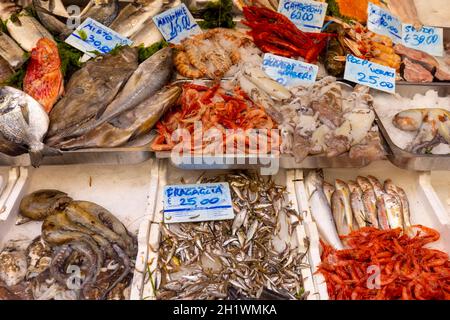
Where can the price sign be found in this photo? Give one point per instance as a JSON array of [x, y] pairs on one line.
[[289, 72], [383, 22], [307, 15], [427, 39], [176, 24], [370, 74], [93, 38], [197, 202]]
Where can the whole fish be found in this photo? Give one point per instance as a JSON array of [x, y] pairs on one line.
[[396, 190], [129, 125], [44, 79], [147, 35], [23, 125], [381, 207], [103, 11], [26, 30], [133, 16], [89, 89], [357, 204], [338, 209], [393, 210], [370, 207], [345, 191], [5, 70], [149, 77], [10, 51], [321, 210], [328, 189]]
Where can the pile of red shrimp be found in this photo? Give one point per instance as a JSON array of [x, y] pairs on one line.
[[405, 268]]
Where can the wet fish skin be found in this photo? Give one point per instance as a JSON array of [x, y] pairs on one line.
[[129, 125], [104, 11], [401, 194], [338, 209], [26, 30], [10, 51], [393, 210], [5, 70], [48, 17], [328, 189], [320, 209], [89, 89], [23, 125], [381, 207], [345, 191], [364, 183], [370, 207], [147, 35], [357, 204]]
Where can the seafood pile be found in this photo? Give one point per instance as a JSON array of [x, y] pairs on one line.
[[224, 117], [419, 125], [342, 208], [326, 119], [407, 269], [238, 258], [210, 54], [83, 252], [273, 32]]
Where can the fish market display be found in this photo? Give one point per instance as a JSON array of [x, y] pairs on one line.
[[44, 80], [407, 270], [23, 125], [217, 110], [210, 54], [90, 90], [273, 32], [241, 257], [418, 125], [76, 235], [325, 119], [350, 9]]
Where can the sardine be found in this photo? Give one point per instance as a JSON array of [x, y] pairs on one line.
[[129, 125], [321, 210], [10, 51], [345, 191], [26, 30], [357, 204], [89, 89], [328, 189], [103, 11], [134, 15], [23, 125], [150, 76]]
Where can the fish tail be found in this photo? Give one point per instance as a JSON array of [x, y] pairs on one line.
[[38, 151]]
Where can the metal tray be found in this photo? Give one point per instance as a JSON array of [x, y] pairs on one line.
[[407, 160]]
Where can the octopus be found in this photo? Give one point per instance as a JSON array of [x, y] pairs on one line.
[[210, 54]]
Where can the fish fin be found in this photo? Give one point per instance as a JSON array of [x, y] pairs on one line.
[[38, 152]]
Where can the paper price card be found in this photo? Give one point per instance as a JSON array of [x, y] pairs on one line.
[[427, 39], [383, 22], [176, 24], [289, 72], [197, 202], [307, 15], [370, 74], [92, 38]]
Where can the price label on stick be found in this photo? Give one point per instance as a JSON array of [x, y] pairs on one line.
[[383, 22], [289, 72], [427, 39], [92, 38], [197, 202], [307, 15], [176, 24], [370, 74]]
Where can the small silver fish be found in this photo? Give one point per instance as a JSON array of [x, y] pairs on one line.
[[357, 204]]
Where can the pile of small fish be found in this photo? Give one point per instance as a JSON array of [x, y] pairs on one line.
[[325, 119], [239, 258], [343, 208], [83, 252], [405, 269]]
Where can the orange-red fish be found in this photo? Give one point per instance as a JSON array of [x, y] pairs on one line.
[[43, 79]]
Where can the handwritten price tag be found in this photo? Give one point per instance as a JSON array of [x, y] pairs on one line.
[[197, 202], [370, 74], [289, 72], [307, 15], [92, 38], [383, 22], [427, 39], [176, 24]]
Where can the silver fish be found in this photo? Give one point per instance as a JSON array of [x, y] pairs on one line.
[[23, 125], [26, 30], [147, 35], [10, 51], [393, 210], [345, 191], [48, 12], [321, 210], [401, 194], [134, 15], [103, 11], [357, 204]]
